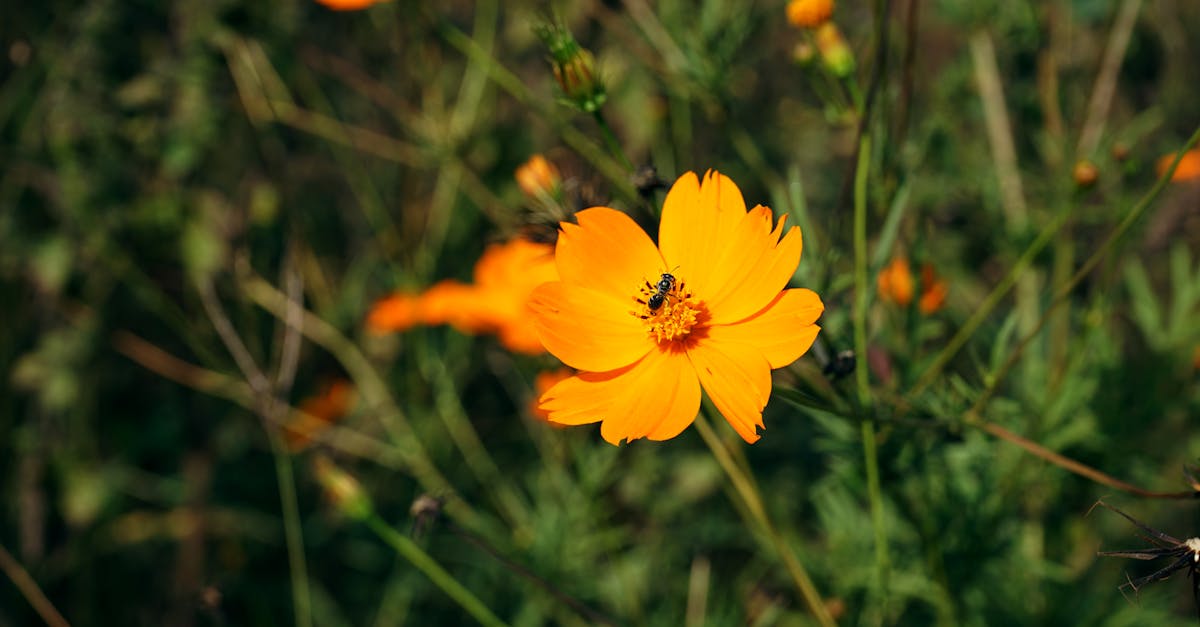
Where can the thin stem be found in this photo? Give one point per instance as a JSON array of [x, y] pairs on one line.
[[744, 487], [610, 140], [863, 386], [293, 534], [438, 575], [1066, 463], [1101, 251], [30, 590]]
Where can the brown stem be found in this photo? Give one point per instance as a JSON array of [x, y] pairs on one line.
[[1073, 466], [30, 590]]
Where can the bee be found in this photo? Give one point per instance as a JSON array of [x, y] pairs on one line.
[[665, 284]]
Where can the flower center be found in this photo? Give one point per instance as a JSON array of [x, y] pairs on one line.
[[667, 309]]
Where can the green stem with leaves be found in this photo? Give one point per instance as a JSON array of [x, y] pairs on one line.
[[744, 485], [409, 550], [863, 386]]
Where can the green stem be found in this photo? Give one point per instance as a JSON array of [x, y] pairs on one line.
[[870, 454], [610, 140], [743, 484], [1065, 290], [438, 575], [293, 535]]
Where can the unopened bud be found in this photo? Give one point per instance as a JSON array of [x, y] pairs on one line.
[[342, 490], [574, 67], [835, 52], [538, 177], [1085, 174]]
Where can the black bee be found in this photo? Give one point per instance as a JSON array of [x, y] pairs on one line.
[[665, 284]]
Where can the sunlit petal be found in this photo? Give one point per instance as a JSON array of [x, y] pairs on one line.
[[755, 266], [607, 251], [585, 328], [696, 220], [782, 331], [738, 380], [657, 397]]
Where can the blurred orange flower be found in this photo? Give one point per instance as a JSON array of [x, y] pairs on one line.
[[809, 13], [537, 177], [496, 303], [316, 413], [648, 326], [896, 284], [348, 5], [1188, 168]]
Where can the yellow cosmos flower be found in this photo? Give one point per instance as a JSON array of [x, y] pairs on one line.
[[648, 327]]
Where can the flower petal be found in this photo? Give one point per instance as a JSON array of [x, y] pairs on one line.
[[657, 397], [782, 332], [607, 251], [754, 266], [587, 329], [696, 221], [738, 380]]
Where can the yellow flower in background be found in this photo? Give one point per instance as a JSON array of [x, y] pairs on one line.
[[809, 13], [1188, 168], [896, 284], [538, 177], [648, 327], [496, 302]]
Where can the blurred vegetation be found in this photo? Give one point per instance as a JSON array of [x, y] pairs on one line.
[[169, 168]]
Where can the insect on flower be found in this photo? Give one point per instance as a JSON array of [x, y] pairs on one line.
[[1186, 554], [665, 284]]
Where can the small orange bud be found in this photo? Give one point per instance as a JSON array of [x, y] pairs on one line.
[[1120, 151], [1085, 173], [835, 52], [809, 13], [538, 177]]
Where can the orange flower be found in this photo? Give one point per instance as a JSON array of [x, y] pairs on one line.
[[648, 327], [809, 13], [1188, 168], [933, 291], [545, 380], [538, 177], [317, 412], [348, 5], [496, 303], [896, 284]]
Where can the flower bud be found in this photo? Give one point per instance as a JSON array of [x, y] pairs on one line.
[[835, 52], [538, 177], [1085, 174], [342, 490], [574, 68], [809, 13]]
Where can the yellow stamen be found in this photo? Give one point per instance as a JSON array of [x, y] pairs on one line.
[[674, 319]]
